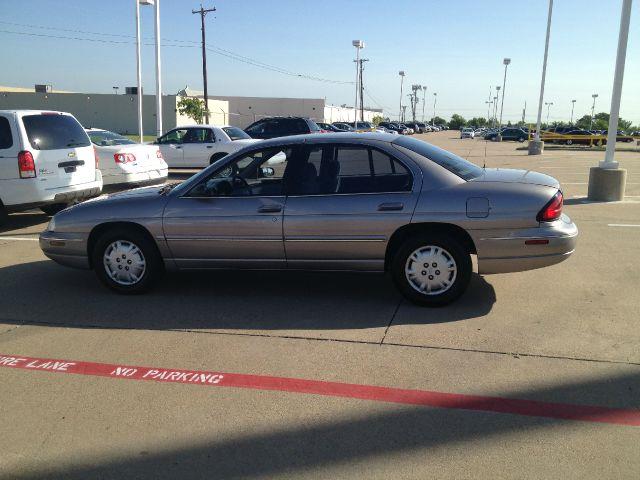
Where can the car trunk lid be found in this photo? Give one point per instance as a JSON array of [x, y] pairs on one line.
[[507, 175]]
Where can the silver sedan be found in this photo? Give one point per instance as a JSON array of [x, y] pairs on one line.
[[371, 203]]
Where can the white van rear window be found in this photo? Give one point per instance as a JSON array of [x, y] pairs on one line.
[[54, 132], [6, 139]]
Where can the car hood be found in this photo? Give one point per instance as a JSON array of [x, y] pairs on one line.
[[507, 175]]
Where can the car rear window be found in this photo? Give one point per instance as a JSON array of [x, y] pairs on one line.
[[6, 139], [313, 126], [235, 133], [104, 138], [54, 132], [448, 160]]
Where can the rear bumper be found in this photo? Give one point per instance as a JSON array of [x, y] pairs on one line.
[[62, 195], [510, 253], [126, 180]]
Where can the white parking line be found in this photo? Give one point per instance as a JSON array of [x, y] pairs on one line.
[[622, 225], [28, 239]]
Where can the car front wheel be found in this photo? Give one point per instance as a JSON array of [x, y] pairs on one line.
[[432, 270], [127, 261]]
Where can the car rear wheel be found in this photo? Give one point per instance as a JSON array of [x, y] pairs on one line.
[[127, 261], [432, 270], [216, 157], [521, 139], [53, 208]]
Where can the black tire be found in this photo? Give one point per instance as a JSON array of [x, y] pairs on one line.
[[4, 215], [53, 208], [453, 249], [521, 139], [153, 270], [214, 158]]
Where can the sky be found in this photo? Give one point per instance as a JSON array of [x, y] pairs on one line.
[[454, 47]]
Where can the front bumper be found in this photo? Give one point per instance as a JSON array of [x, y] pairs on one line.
[[69, 249], [504, 252]]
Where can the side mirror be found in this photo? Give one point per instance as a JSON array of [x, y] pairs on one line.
[[268, 172]]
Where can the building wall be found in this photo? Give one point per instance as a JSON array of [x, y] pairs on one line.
[[118, 113], [346, 114]]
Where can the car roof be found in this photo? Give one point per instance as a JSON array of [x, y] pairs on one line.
[[313, 138]]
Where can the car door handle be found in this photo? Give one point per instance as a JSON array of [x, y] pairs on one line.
[[270, 209], [391, 206], [209, 146]]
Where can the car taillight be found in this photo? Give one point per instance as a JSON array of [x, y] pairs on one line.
[[26, 165], [96, 156], [551, 210], [159, 154], [124, 157]]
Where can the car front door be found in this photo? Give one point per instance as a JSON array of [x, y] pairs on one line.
[[344, 204], [198, 147], [170, 145], [233, 217]]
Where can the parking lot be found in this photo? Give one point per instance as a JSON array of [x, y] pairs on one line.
[[563, 337]]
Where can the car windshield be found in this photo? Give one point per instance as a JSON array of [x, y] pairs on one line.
[[448, 160], [235, 133], [104, 138], [52, 131]]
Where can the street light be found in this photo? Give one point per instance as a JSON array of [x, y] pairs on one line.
[[506, 63], [158, 73], [548, 104], [493, 115], [138, 64], [435, 98], [401, 73], [537, 146], [593, 107], [359, 44], [424, 98], [495, 107], [414, 100], [573, 104], [489, 103], [115, 89]]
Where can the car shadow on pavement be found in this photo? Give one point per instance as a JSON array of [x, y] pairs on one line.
[[16, 221], [246, 300], [410, 441]]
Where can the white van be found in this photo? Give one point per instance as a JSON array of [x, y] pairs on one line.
[[46, 161]]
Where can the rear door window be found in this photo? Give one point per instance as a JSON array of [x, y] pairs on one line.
[[54, 132], [6, 139]]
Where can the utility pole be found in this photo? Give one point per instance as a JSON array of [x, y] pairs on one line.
[[362, 60], [524, 111], [424, 100], [414, 100], [573, 104], [404, 108], [203, 13]]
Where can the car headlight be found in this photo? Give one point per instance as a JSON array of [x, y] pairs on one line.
[[51, 227]]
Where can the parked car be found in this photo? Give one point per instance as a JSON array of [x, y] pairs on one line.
[[281, 126], [414, 126], [371, 202], [621, 136], [395, 127], [406, 129], [197, 146], [380, 129], [46, 161], [467, 133], [585, 137], [125, 163], [516, 134], [343, 127], [327, 127], [363, 126]]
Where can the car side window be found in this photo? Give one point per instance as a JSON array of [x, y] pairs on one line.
[[258, 173], [256, 129], [199, 135], [338, 169], [6, 139], [174, 136]]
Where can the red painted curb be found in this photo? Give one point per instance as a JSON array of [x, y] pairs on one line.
[[426, 398]]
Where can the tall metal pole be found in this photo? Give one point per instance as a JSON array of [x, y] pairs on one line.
[[362, 60], [158, 74], [139, 70], [203, 13], [544, 71], [355, 107], [495, 114], [489, 103], [424, 98], [616, 95], [593, 107], [435, 98], [506, 62], [573, 104], [401, 73]]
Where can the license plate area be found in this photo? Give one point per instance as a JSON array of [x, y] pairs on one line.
[[71, 165]]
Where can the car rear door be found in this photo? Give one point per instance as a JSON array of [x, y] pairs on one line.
[[62, 151], [9, 148], [198, 146], [344, 207], [171, 147]]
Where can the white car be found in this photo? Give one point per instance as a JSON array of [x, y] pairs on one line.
[[196, 146], [467, 133], [124, 162], [46, 161]]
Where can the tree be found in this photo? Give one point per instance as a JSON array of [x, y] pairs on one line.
[[477, 122], [457, 122], [437, 121], [377, 119], [192, 107]]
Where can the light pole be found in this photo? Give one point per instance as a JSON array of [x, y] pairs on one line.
[[414, 100], [115, 89], [493, 114], [435, 99], [548, 104], [489, 103], [158, 74], [424, 98], [607, 181], [359, 44], [506, 63], [537, 146], [401, 73], [593, 107], [573, 104]]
